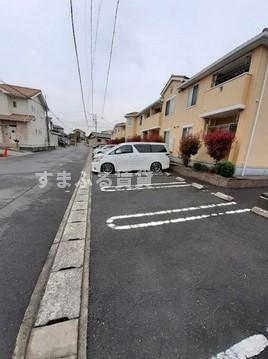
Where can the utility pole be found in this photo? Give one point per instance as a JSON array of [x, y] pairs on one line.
[[95, 122], [47, 126]]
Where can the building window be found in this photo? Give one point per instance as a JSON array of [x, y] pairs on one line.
[[192, 96], [140, 120], [129, 122], [14, 104], [169, 106], [187, 131]]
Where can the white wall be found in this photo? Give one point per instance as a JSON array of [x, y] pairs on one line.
[[34, 132], [36, 128]]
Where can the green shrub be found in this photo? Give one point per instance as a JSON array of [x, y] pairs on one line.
[[204, 168], [225, 168], [197, 166]]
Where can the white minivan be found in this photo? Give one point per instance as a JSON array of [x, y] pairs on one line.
[[133, 156]]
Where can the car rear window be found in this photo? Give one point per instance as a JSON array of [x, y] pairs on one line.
[[144, 148], [158, 148]]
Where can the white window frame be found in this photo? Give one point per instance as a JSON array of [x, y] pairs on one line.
[[187, 127], [129, 122], [190, 96], [171, 109]]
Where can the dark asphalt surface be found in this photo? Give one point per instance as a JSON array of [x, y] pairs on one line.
[[179, 291], [29, 220]]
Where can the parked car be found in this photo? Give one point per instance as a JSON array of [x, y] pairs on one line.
[[97, 148], [100, 151], [133, 156], [264, 196]]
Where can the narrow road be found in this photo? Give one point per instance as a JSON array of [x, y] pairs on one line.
[[29, 219]]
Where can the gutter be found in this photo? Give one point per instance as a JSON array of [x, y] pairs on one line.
[[255, 122]]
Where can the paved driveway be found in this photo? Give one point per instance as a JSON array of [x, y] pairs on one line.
[[29, 220], [175, 272]]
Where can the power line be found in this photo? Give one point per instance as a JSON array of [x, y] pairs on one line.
[[110, 60], [77, 61], [97, 30]]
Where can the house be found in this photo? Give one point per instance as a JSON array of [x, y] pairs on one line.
[[119, 131], [23, 118], [231, 93], [98, 138], [57, 135], [80, 135]]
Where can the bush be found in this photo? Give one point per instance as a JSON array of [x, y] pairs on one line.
[[219, 143], [204, 168], [225, 168], [134, 139], [189, 147], [197, 166]]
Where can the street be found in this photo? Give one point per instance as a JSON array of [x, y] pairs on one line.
[[29, 220], [176, 272]]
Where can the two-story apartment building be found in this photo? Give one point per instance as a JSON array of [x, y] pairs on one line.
[[231, 93], [23, 117], [119, 131]]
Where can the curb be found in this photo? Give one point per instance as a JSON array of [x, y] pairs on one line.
[[74, 329], [260, 211], [223, 196]]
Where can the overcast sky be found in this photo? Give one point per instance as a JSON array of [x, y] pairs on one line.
[[153, 39]]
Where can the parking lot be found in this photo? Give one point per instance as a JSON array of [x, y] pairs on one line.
[[176, 272]]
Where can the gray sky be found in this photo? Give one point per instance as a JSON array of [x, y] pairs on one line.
[[153, 39]]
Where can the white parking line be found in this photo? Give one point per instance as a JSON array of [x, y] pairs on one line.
[[247, 348], [144, 186], [110, 221], [176, 220]]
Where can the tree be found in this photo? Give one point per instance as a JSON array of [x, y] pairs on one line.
[[219, 143], [189, 146]]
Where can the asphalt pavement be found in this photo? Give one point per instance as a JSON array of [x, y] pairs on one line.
[[29, 220], [176, 272]]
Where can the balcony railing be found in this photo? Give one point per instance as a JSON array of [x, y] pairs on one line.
[[152, 121], [227, 94]]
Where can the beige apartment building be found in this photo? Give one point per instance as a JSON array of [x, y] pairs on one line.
[[231, 93], [119, 131]]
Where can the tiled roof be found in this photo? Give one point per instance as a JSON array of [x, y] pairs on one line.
[[16, 117], [99, 134], [19, 91]]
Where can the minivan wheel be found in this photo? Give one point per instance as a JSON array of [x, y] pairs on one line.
[[156, 167], [107, 168]]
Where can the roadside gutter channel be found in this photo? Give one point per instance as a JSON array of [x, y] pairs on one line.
[[55, 322]]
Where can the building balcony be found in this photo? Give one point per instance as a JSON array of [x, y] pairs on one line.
[[226, 98], [152, 122]]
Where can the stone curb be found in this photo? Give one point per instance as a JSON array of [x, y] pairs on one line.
[[260, 211], [223, 196], [27, 345], [197, 185]]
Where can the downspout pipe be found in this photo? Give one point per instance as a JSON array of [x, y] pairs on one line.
[[255, 122]]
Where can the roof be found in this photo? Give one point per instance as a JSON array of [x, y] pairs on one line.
[[120, 124], [57, 126], [16, 117], [173, 78], [19, 91], [99, 134], [131, 114], [157, 102], [245, 48]]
